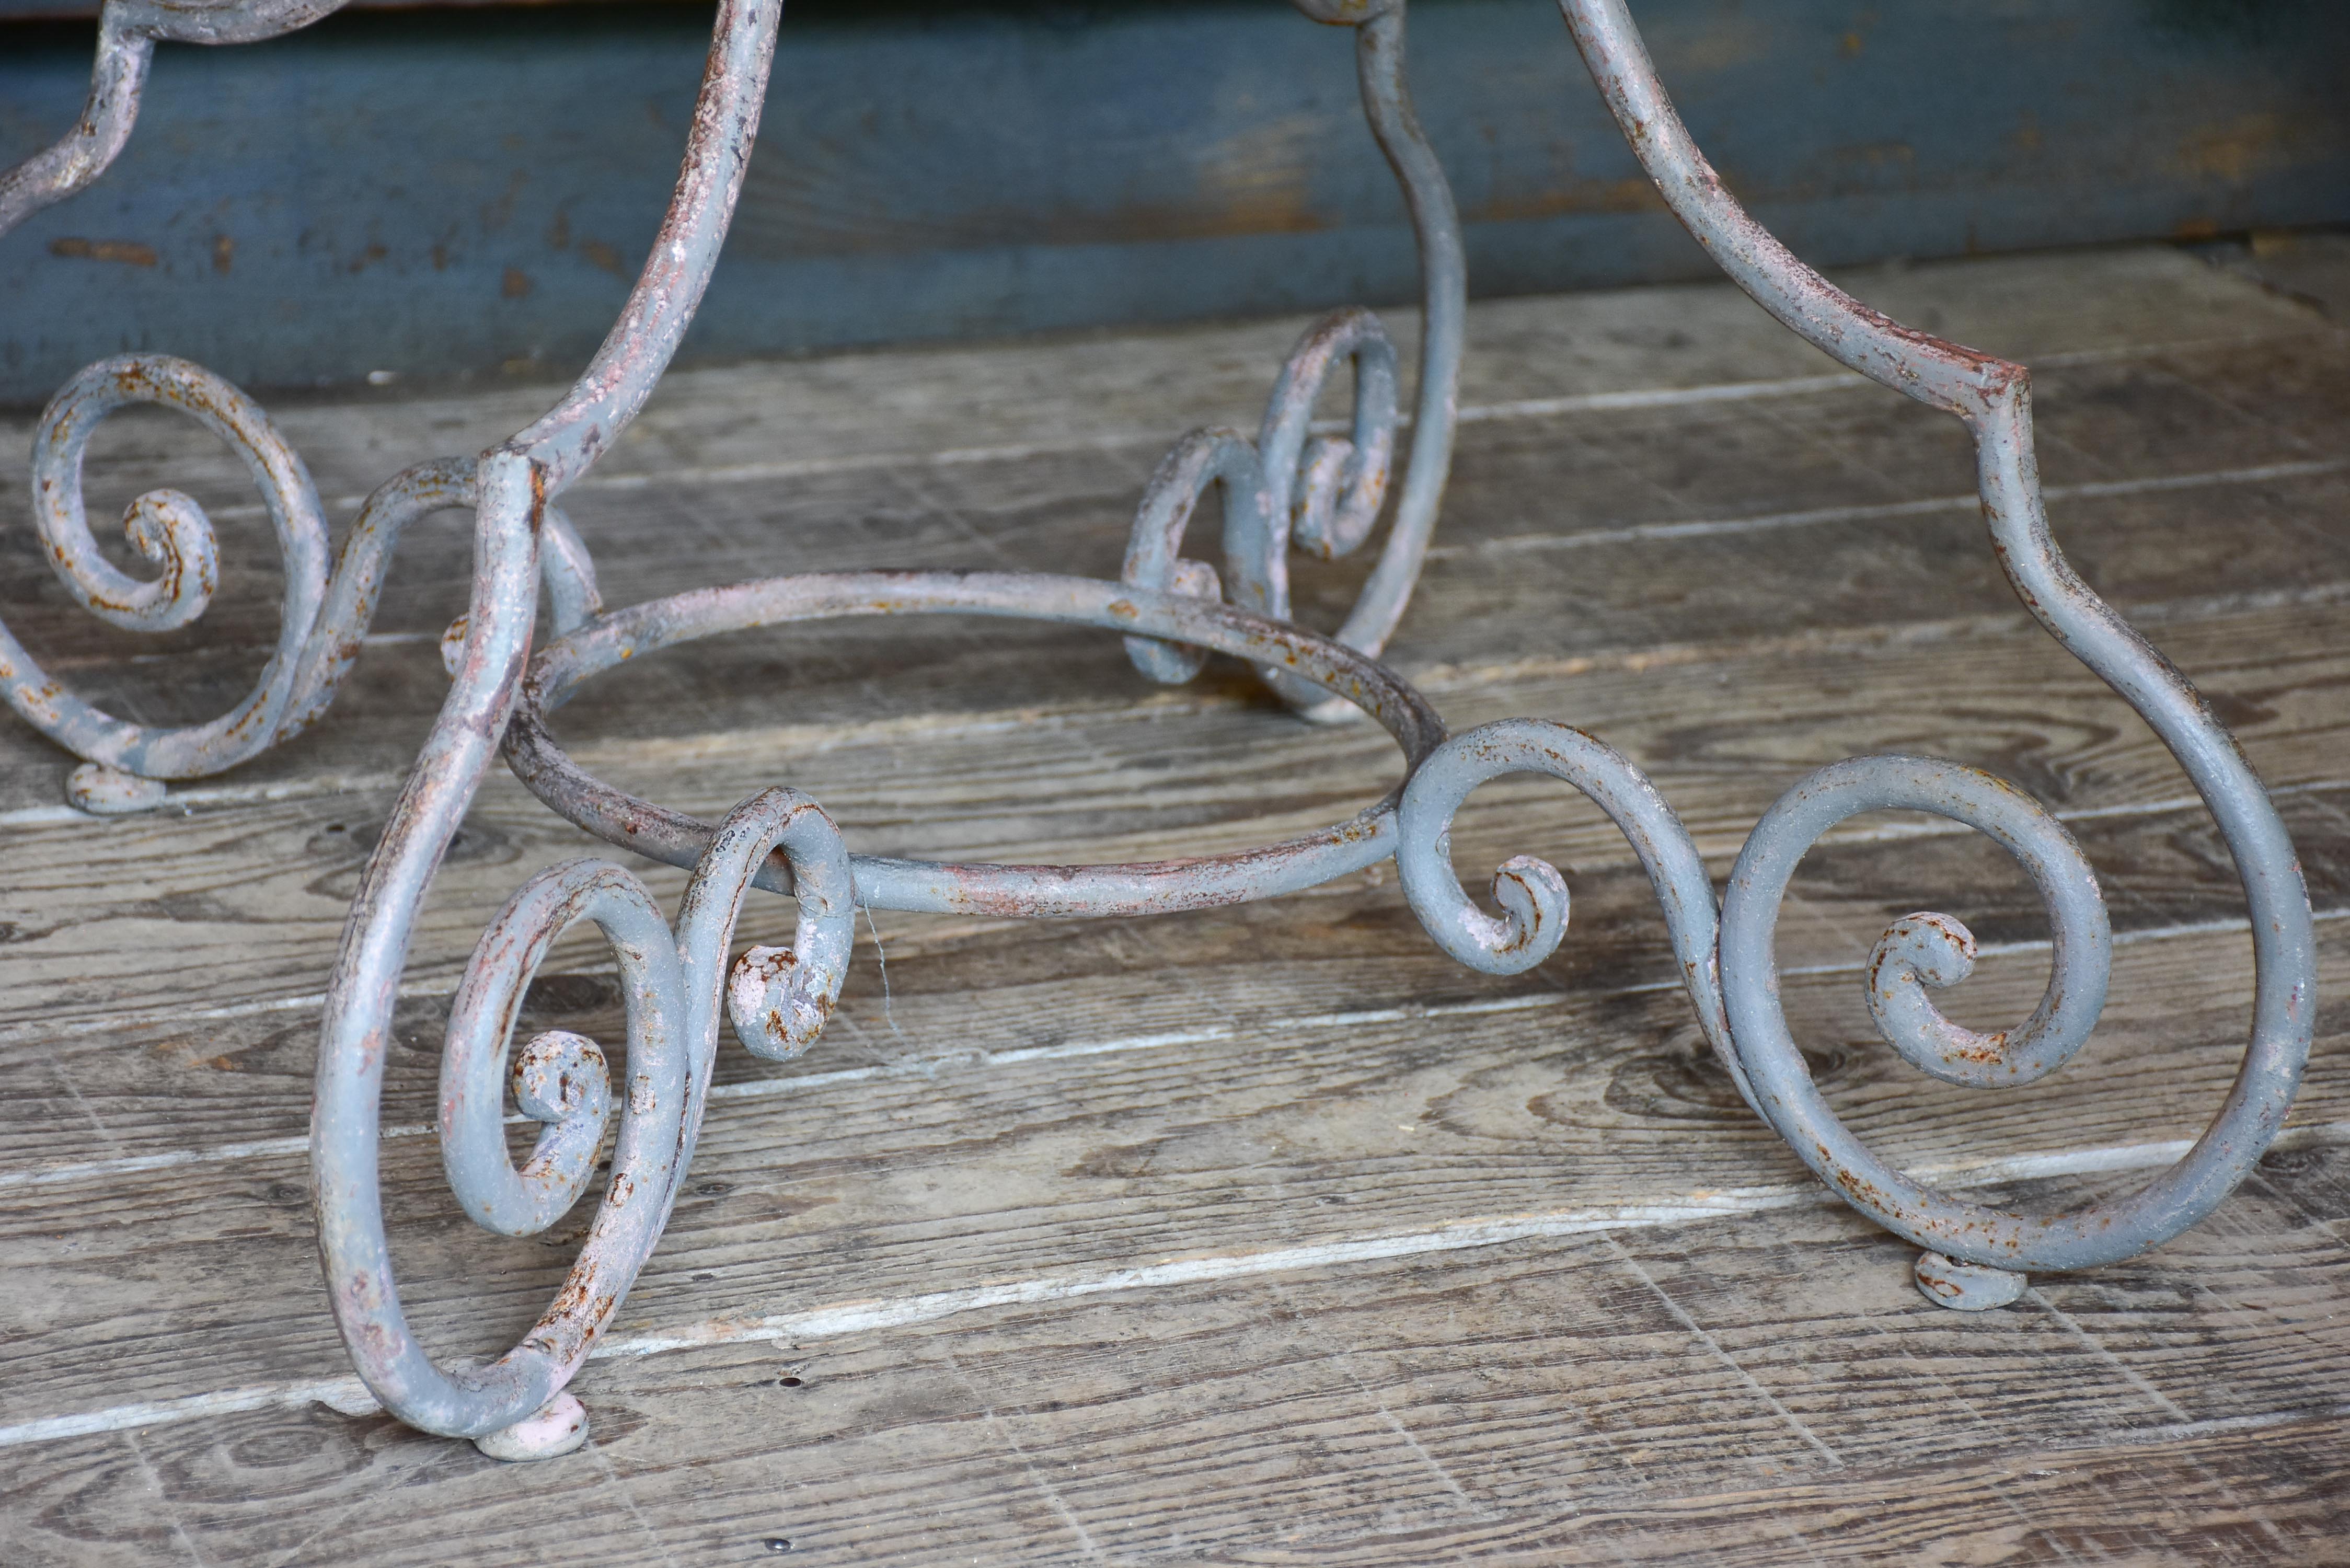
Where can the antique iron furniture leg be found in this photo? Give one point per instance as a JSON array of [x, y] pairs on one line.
[[1975, 1252], [1294, 486], [1976, 1255], [1324, 493], [323, 613], [515, 1404]]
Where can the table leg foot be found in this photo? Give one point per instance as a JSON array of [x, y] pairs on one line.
[[1965, 1287], [102, 791], [549, 1432]]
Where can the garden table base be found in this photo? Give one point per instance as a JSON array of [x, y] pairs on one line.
[[1292, 485]]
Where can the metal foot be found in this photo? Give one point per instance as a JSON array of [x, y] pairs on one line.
[[102, 791], [1965, 1287], [549, 1432]]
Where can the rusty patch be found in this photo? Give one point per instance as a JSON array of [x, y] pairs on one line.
[[128, 253]]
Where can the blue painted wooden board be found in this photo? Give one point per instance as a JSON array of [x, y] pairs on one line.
[[467, 192]]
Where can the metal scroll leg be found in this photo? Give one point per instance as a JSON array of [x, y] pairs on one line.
[[677, 987], [673, 980], [1323, 495], [323, 616], [1975, 1253], [322, 619]]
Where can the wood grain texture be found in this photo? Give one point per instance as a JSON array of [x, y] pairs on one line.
[[1771, 1390], [1264, 1234], [172, 1082], [879, 1176]]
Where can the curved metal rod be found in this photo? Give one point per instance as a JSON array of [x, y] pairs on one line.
[[1218, 458], [1021, 891], [1444, 292], [126, 35], [86, 151], [315, 649], [1531, 893], [322, 618], [1324, 493], [170, 529], [1992, 396], [672, 985], [516, 483]]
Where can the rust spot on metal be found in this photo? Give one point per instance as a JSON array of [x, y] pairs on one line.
[[128, 253]]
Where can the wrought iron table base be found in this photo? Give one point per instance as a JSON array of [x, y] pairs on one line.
[[1288, 487]]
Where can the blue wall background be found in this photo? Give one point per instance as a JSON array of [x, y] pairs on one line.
[[467, 192]]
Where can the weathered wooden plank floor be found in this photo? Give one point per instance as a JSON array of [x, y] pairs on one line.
[[1432, 1267]]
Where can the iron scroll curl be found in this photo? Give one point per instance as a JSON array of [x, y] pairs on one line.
[[1992, 398], [323, 616], [1323, 492]]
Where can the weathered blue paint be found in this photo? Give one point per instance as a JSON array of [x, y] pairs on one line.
[[446, 191]]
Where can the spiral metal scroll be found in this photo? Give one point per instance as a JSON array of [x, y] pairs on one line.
[[1324, 493], [676, 984], [1533, 895], [1988, 1245], [322, 616]]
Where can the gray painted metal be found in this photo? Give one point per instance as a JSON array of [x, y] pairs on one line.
[[1324, 493], [1992, 396], [1289, 487], [322, 616], [1018, 891], [471, 193]]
